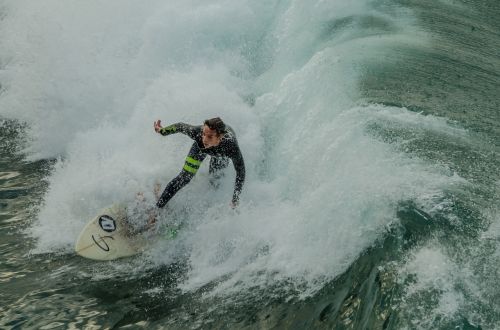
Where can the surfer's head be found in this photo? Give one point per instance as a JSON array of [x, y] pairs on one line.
[[213, 131]]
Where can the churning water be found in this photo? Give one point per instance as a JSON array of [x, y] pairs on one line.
[[370, 132]]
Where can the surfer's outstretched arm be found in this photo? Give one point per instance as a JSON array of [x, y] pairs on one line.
[[183, 128]]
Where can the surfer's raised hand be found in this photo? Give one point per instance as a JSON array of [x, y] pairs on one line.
[[157, 126]]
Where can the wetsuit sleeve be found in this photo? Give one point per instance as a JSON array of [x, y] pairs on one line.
[[183, 128], [239, 166]]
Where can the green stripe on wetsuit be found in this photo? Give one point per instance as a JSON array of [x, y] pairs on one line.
[[168, 130], [192, 165]]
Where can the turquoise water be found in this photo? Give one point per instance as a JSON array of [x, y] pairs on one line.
[[371, 135]]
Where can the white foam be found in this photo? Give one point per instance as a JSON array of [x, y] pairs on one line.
[[438, 289], [445, 284], [91, 79]]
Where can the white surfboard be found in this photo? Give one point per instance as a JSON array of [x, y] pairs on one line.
[[108, 236]]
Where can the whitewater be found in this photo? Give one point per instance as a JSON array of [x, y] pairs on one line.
[[370, 139]]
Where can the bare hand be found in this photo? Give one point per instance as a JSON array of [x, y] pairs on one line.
[[157, 126]]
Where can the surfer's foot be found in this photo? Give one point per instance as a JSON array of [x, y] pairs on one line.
[[151, 221], [152, 215], [157, 190], [140, 196]]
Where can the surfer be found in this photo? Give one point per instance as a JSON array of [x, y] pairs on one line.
[[213, 138]]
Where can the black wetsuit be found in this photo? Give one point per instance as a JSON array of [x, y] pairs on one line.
[[220, 155]]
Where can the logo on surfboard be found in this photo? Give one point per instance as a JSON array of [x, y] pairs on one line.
[[105, 246], [107, 223]]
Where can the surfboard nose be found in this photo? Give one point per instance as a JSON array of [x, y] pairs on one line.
[[105, 236]]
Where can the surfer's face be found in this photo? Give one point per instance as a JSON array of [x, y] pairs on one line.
[[210, 137]]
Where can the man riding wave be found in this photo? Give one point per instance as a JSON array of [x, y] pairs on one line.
[[213, 138]]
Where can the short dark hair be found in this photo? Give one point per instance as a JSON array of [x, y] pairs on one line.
[[216, 124]]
